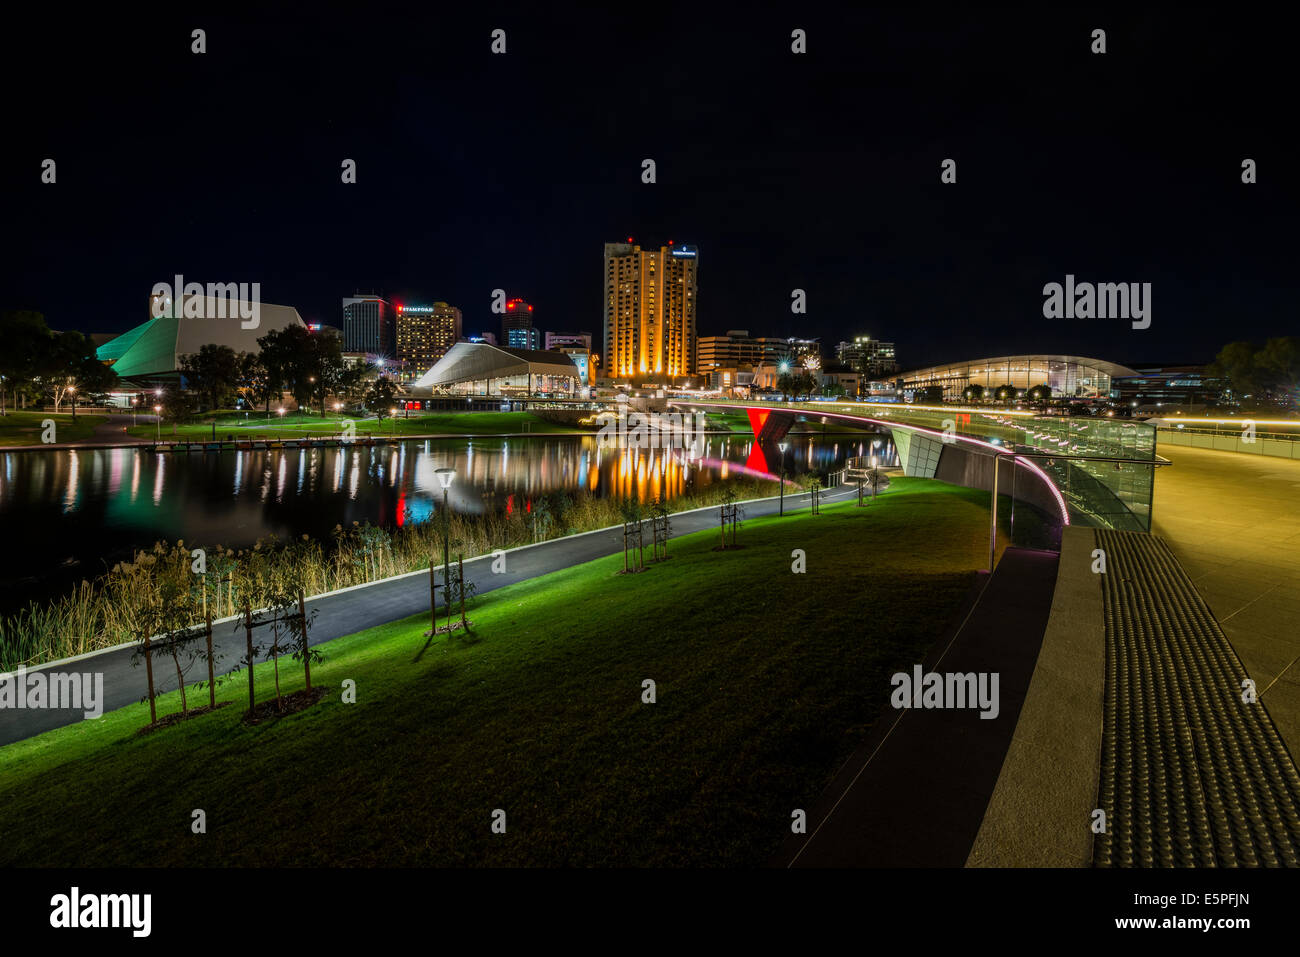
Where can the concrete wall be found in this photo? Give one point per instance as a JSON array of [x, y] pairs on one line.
[[964, 464]]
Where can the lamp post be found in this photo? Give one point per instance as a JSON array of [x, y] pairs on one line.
[[158, 420], [73, 389], [445, 478], [782, 447]]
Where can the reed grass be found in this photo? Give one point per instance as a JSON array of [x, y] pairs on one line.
[[100, 613]]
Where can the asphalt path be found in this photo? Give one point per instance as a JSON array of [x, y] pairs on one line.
[[348, 611]]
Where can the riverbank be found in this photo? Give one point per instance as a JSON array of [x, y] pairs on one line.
[[759, 695]]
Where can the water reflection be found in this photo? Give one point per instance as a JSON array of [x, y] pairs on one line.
[[67, 514]]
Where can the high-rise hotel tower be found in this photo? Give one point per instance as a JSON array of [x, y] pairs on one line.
[[650, 311]]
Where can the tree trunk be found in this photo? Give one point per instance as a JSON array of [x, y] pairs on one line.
[[180, 678], [460, 576], [212, 685], [248, 632], [148, 668], [306, 656]]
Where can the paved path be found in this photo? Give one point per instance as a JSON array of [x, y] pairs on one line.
[[1233, 522], [355, 609], [915, 793]]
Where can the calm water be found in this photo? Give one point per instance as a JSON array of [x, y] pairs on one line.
[[68, 515]]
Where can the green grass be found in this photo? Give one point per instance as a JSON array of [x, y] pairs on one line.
[[24, 427], [295, 425], [739, 422], [766, 681]]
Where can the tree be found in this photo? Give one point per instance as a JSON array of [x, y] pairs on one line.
[[974, 393], [326, 366], [252, 381], [381, 396], [177, 405], [1039, 393], [66, 358], [212, 374], [25, 337], [1235, 365], [1005, 392], [785, 383], [276, 360], [1278, 364]]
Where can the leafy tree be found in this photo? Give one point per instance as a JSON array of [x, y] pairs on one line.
[[252, 382], [63, 360], [177, 405], [276, 359], [1279, 365], [26, 338], [1005, 392], [974, 393], [1039, 393], [381, 396], [1235, 365], [212, 374]]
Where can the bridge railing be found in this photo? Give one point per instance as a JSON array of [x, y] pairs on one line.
[[1104, 468]]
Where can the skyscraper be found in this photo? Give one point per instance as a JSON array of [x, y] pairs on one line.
[[367, 325], [425, 333], [650, 311], [517, 330]]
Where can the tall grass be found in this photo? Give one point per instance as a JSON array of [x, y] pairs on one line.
[[101, 613]]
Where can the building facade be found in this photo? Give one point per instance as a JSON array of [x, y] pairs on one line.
[[517, 329], [650, 312], [368, 325], [425, 333], [869, 357], [1066, 376], [736, 348], [568, 340]]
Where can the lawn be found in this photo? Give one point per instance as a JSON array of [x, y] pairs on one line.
[[24, 427], [257, 425], [739, 422], [766, 681]]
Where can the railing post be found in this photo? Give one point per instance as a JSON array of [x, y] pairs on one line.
[[993, 516]]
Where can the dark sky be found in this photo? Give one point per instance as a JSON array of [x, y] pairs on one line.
[[819, 171]]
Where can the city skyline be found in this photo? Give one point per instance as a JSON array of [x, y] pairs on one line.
[[821, 190]]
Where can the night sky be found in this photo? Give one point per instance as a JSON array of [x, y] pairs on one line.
[[818, 171]]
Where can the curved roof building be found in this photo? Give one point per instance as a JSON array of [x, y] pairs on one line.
[[477, 368], [154, 348], [1067, 376]]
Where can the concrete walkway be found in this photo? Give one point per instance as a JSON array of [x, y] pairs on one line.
[[1040, 812], [1233, 522], [914, 795]]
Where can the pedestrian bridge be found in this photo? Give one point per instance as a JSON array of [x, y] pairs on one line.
[[1071, 471]]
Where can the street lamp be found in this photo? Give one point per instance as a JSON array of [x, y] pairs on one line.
[[158, 420], [445, 478], [782, 447]]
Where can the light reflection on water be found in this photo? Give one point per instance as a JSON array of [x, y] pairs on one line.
[[66, 513]]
